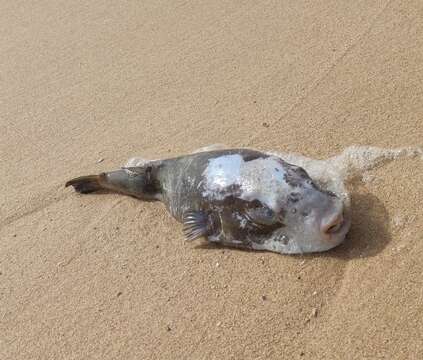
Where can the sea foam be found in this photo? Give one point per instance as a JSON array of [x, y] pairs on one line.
[[336, 172]]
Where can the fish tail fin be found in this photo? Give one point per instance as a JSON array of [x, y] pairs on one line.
[[136, 182], [86, 184]]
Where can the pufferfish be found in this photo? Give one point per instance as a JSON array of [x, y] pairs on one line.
[[234, 197]]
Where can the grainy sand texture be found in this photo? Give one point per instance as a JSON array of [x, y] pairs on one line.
[[84, 85]]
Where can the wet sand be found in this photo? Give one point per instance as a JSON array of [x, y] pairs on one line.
[[86, 85]]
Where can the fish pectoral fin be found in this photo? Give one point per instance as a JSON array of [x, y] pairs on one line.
[[196, 225]]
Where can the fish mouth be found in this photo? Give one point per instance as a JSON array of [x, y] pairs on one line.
[[335, 228], [339, 228], [334, 224]]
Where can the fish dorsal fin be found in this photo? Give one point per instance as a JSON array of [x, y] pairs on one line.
[[195, 225]]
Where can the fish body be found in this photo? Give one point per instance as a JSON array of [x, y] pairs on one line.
[[236, 197]]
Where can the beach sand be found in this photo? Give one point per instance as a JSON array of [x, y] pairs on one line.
[[86, 85]]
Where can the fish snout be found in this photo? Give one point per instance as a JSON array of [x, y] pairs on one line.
[[332, 223]]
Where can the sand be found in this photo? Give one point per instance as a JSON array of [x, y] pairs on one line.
[[108, 277]]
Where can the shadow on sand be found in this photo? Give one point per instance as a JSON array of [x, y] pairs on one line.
[[369, 233]]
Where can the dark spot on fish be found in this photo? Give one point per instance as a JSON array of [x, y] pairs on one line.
[[231, 190], [292, 180], [282, 213], [294, 197], [253, 156], [312, 184], [253, 204], [330, 193], [298, 170], [246, 154], [147, 180], [295, 175]]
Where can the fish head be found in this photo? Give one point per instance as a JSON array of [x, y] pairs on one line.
[[301, 216]]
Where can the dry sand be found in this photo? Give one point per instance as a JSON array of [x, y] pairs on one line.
[[109, 277]]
